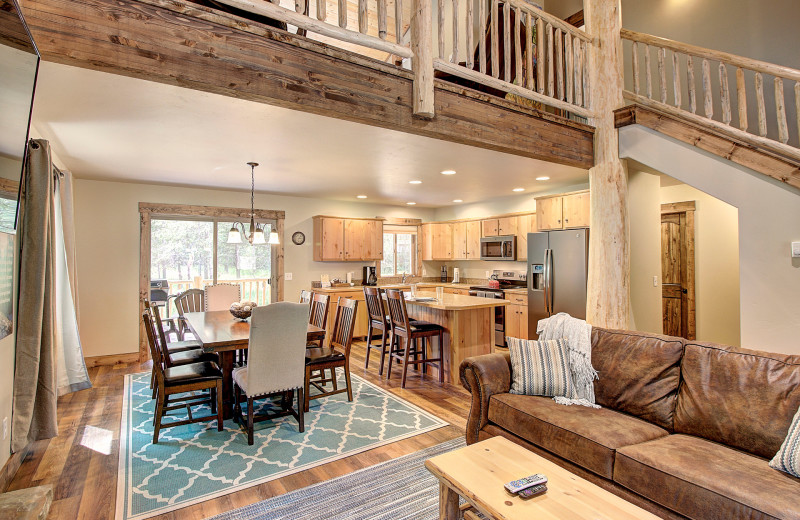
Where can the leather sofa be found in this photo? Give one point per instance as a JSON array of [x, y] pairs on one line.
[[686, 429]]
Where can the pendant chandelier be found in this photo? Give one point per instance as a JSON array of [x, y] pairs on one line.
[[256, 234]]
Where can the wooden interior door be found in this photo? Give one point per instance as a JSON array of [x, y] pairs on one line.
[[677, 274]]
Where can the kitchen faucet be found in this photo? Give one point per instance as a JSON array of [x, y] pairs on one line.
[[403, 278]]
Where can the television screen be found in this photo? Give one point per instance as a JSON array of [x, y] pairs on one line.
[[19, 63]]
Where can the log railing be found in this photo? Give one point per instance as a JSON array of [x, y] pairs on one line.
[[704, 75], [520, 49]]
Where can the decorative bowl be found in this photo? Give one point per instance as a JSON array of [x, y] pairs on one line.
[[242, 310]]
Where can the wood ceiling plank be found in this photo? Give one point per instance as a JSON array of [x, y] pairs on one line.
[[156, 40]]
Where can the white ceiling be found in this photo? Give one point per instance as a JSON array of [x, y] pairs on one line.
[[109, 127]]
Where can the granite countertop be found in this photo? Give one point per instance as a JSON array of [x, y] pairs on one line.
[[457, 302], [407, 286]]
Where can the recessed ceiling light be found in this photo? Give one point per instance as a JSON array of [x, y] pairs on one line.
[[518, 189], [415, 182], [361, 196], [448, 172], [544, 178], [457, 200], [410, 203]]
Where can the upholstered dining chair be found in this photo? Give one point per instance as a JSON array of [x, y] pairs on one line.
[[276, 362], [406, 335], [332, 357], [219, 297], [184, 379]]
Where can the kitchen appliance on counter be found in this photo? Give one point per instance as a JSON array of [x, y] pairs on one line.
[[499, 248], [557, 274], [444, 274], [501, 282], [456, 275], [369, 276]]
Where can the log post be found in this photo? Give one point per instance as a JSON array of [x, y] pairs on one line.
[[608, 291], [422, 62]]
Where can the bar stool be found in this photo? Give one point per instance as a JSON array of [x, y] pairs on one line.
[[410, 332], [378, 320]]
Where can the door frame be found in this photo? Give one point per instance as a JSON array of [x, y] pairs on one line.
[[150, 210], [687, 208]]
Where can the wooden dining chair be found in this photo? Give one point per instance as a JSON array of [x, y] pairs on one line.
[[219, 297], [184, 379], [406, 335], [318, 315], [332, 357], [378, 320], [275, 364], [190, 300]]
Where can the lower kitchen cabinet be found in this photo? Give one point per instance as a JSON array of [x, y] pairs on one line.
[[456, 290], [362, 324], [517, 316]]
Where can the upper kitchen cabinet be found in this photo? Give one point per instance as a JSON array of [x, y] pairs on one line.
[[441, 237], [525, 224], [347, 239], [467, 240], [489, 227], [563, 211]]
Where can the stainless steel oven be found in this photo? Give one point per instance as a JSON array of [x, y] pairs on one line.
[[499, 248], [499, 312]]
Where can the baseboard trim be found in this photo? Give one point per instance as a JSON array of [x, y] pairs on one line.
[[12, 465], [112, 359]]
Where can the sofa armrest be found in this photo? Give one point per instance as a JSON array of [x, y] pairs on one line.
[[484, 376]]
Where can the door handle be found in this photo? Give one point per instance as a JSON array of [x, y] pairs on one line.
[[685, 291]]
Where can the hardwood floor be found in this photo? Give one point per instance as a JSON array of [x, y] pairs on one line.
[[85, 480]]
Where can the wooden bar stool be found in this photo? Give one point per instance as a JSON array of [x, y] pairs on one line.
[[378, 320], [407, 332]]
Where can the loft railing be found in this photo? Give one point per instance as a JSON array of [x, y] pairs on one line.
[[520, 50], [253, 289], [771, 129], [548, 57]]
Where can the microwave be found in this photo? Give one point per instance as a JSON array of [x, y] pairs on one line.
[[499, 248]]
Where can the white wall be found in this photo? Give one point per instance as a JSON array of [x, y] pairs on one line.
[[107, 238], [769, 220], [644, 215]]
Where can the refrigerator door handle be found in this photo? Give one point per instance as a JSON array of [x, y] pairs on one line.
[[547, 289]]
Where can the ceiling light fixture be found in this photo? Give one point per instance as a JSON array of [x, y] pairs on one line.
[[518, 189], [361, 196], [457, 200], [543, 178], [410, 203], [256, 235], [415, 182], [448, 172]]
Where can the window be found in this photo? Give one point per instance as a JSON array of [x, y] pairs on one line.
[[399, 250]]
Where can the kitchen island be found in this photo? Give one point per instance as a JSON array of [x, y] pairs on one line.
[[468, 322]]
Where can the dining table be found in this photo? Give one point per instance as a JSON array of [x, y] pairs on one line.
[[220, 332]]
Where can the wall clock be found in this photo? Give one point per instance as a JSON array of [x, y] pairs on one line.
[[298, 237]]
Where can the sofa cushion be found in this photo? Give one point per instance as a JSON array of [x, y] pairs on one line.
[[639, 373], [540, 367], [705, 480], [788, 457], [738, 397], [585, 436]]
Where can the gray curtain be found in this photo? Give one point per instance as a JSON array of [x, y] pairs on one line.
[[49, 361]]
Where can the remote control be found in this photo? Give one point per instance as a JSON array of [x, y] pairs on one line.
[[515, 486], [533, 491]]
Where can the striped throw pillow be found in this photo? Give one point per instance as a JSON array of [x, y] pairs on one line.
[[788, 457], [540, 367]]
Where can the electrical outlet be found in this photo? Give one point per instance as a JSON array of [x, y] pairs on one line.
[[655, 281], [795, 249], [488, 274], [5, 428], [288, 276]]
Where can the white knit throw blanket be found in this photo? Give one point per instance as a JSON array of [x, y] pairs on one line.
[[578, 334]]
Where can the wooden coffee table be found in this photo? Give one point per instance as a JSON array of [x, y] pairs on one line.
[[477, 473]]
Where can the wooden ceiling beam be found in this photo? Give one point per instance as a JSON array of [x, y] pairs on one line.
[[192, 46]]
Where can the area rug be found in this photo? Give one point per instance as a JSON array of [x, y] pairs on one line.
[[399, 489], [195, 462]]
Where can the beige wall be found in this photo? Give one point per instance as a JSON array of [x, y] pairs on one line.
[[644, 214], [107, 237], [769, 220]]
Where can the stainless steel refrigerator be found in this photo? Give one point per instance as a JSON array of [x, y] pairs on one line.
[[557, 274]]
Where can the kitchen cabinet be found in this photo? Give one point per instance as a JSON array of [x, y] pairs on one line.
[[360, 329], [563, 211], [517, 316], [467, 240], [425, 242], [525, 224], [507, 226], [441, 240], [347, 240], [489, 227], [456, 290]]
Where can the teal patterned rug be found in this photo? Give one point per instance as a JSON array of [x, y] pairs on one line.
[[195, 462]]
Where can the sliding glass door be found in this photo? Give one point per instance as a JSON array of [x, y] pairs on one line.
[[192, 253]]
